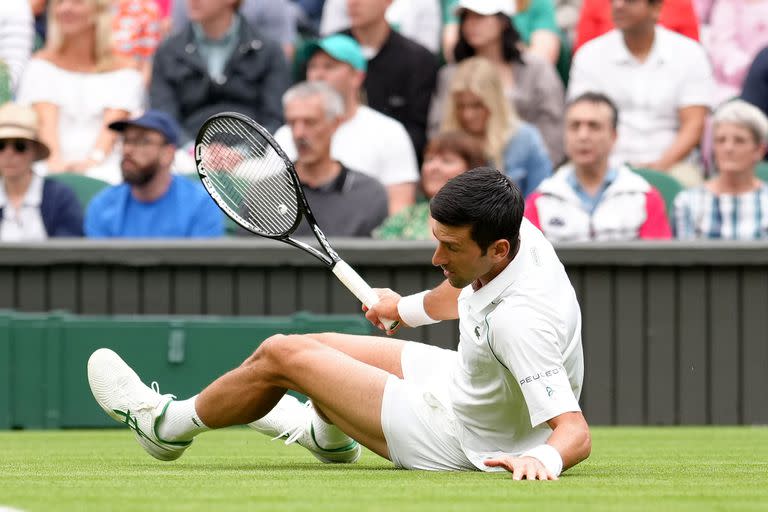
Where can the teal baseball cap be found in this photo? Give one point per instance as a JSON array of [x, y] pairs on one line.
[[339, 46]]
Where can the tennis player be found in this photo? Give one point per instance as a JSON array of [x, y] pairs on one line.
[[506, 400]]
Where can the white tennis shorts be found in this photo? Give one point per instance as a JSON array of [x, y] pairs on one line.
[[420, 429]]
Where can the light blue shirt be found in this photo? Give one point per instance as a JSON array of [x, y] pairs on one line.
[[216, 52], [526, 161], [185, 211], [589, 202]]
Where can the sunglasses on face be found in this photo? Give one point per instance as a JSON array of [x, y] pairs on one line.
[[18, 145]]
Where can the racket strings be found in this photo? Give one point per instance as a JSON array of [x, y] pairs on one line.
[[249, 176]]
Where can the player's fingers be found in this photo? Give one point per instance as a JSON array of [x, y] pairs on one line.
[[493, 463], [543, 474]]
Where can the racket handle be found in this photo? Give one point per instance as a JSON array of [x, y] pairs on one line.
[[360, 289]]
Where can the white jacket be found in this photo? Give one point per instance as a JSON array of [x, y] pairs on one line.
[[621, 214]]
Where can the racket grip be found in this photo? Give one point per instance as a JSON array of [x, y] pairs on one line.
[[360, 289]]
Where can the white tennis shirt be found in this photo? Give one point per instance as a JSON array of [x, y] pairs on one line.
[[520, 360]]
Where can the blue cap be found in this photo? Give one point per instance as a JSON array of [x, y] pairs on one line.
[[156, 120], [341, 47]]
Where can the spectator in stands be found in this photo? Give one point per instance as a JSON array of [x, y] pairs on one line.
[[731, 205], [534, 20], [595, 19], [589, 199], [32, 208], [92, 88], [447, 155], [218, 63], [271, 19], [367, 140], [152, 202], [40, 13], [477, 106], [401, 73], [661, 82], [530, 83], [345, 202], [309, 17], [137, 31], [755, 89], [17, 36], [738, 31], [418, 20]]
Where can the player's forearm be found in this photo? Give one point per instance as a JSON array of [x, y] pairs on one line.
[[572, 440], [442, 302]]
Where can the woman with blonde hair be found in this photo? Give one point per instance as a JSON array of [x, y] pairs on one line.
[[78, 87], [477, 106]]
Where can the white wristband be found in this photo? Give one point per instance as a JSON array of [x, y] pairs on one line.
[[412, 312], [547, 455]]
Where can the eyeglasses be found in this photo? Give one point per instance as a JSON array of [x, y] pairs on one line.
[[141, 142], [18, 145]]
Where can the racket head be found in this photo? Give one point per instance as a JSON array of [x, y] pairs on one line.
[[248, 175]]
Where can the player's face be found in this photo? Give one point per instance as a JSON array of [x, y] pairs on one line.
[[735, 148], [472, 113], [631, 14], [459, 256], [438, 168], [481, 31], [311, 129], [16, 157], [145, 153], [589, 133], [339, 75]]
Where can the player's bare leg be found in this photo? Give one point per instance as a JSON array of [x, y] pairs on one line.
[[348, 391]]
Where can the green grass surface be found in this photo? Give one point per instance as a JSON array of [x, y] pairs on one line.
[[630, 469]]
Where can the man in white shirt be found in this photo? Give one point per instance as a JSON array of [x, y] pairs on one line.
[[661, 82], [506, 400], [367, 141], [17, 36]]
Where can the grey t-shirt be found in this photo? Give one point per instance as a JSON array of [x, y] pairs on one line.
[[351, 205]]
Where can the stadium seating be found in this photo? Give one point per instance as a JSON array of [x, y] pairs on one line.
[[668, 186], [85, 188]]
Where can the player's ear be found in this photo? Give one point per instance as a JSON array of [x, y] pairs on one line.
[[500, 249]]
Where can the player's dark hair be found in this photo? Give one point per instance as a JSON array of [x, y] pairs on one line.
[[510, 42], [484, 199]]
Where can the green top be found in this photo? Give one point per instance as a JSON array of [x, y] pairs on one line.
[[540, 15], [5, 83], [411, 223]]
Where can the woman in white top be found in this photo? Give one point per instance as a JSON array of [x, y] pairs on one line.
[[78, 88]]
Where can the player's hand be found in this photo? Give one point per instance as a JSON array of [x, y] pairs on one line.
[[527, 468], [385, 308]]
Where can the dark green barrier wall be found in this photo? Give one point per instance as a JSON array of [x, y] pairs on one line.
[[43, 357]]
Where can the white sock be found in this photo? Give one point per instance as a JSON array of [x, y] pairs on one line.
[[327, 435], [181, 421]]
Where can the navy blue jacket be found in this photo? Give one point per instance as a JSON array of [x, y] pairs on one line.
[[256, 76], [60, 209]]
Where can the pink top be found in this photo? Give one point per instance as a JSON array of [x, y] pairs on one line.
[[738, 30], [165, 7]]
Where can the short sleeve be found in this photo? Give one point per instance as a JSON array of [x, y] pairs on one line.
[[698, 83], [400, 165], [529, 350]]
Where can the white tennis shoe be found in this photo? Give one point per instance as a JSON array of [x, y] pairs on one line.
[[291, 420], [122, 395]]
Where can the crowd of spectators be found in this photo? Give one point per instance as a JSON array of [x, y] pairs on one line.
[[618, 119]]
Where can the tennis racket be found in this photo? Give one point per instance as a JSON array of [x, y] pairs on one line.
[[253, 181]]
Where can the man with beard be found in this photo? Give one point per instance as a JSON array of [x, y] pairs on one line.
[[152, 202]]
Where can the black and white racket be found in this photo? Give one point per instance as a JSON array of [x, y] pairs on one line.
[[253, 181]]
